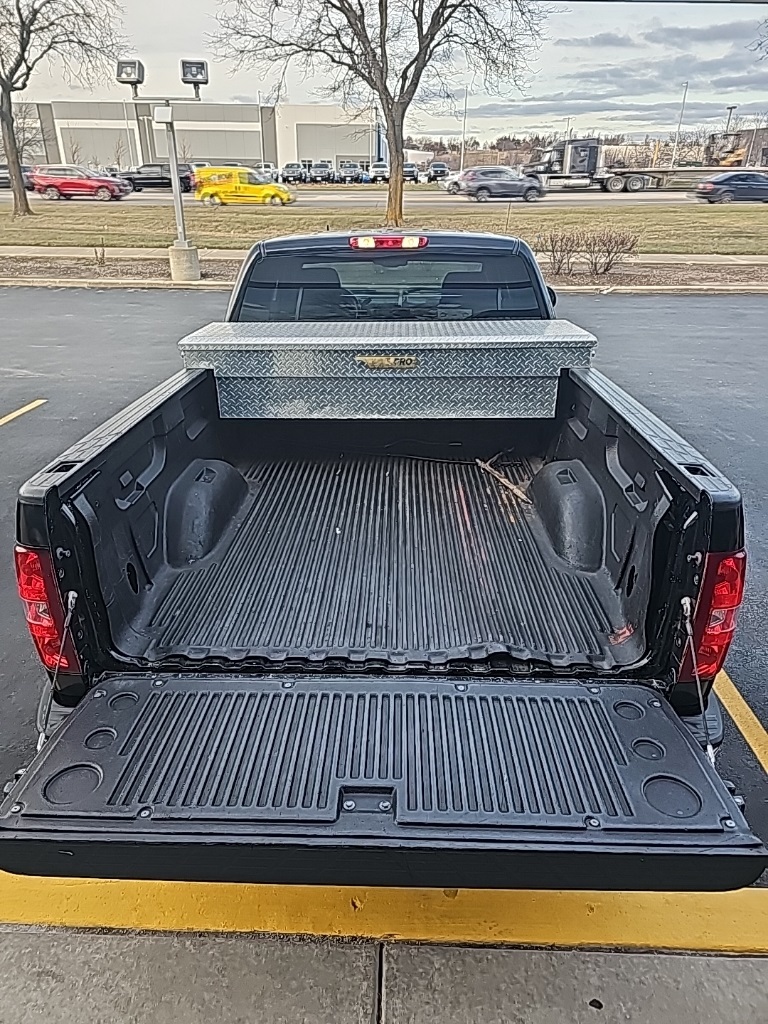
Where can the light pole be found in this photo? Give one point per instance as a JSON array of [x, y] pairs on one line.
[[730, 115], [464, 131], [679, 124], [182, 255], [185, 265]]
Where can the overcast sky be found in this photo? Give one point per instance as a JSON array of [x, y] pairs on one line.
[[613, 67]]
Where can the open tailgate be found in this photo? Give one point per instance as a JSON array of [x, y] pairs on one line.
[[448, 783]]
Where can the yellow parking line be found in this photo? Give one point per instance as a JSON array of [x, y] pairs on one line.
[[20, 412], [744, 718], [735, 922]]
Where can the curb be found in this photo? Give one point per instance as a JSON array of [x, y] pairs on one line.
[[115, 282], [747, 288]]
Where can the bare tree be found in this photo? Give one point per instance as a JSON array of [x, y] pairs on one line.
[[30, 135], [402, 52], [75, 149], [185, 149], [81, 36], [119, 153]]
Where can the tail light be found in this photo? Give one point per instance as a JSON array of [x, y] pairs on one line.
[[43, 610], [388, 241], [706, 186], [722, 592]]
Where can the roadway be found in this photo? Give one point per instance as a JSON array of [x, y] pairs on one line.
[[698, 362], [360, 197]]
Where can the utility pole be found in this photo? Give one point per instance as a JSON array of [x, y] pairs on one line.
[[464, 131], [679, 124], [730, 115], [568, 127]]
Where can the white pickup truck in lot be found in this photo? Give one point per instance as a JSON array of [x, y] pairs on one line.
[[387, 586]]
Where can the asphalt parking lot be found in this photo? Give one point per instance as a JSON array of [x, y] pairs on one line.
[[698, 362]]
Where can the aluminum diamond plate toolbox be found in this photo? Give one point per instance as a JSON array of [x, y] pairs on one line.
[[357, 370]]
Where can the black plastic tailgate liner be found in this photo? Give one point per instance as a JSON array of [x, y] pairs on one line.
[[444, 783], [398, 561]]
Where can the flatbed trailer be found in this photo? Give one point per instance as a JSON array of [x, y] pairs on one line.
[[580, 163]]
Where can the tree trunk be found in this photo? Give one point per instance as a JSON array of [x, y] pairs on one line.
[[396, 159], [20, 202]]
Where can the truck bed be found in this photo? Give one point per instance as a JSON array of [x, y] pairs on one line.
[[260, 545], [384, 558]]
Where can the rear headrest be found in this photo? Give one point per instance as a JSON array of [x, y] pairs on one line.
[[325, 276]]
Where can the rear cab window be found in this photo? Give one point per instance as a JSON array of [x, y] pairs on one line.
[[423, 284]]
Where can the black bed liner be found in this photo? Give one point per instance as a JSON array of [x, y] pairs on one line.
[[392, 560], [334, 780]]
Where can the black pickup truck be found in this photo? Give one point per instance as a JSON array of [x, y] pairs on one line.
[[388, 586]]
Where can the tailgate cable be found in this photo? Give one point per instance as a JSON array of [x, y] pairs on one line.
[[688, 617], [71, 601]]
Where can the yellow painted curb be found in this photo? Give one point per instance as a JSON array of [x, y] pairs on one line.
[[734, 922]]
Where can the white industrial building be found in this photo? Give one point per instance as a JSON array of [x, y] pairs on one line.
[[123, 133]]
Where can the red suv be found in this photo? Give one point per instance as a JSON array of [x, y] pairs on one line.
[[68, 182]]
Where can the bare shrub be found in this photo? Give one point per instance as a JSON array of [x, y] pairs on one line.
[[606, 248], [561, 246]]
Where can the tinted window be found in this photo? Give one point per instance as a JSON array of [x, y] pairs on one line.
[[385, 285]]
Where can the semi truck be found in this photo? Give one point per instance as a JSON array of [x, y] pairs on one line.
[[583, 163], [387, 586]]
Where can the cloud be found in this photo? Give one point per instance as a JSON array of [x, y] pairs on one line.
[[680, 37], [733, 70], [757, 79], [601, 39], [660, 113]]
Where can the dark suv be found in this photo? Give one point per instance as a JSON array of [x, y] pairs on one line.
[[293, 174], [348, 173], [321, 173], [484, 183], [437, 170], [159, 176]]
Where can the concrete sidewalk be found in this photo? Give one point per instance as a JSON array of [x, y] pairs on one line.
[[69, 977], [67, 251]]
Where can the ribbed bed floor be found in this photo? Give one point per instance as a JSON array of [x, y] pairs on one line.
[[396, 560]]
